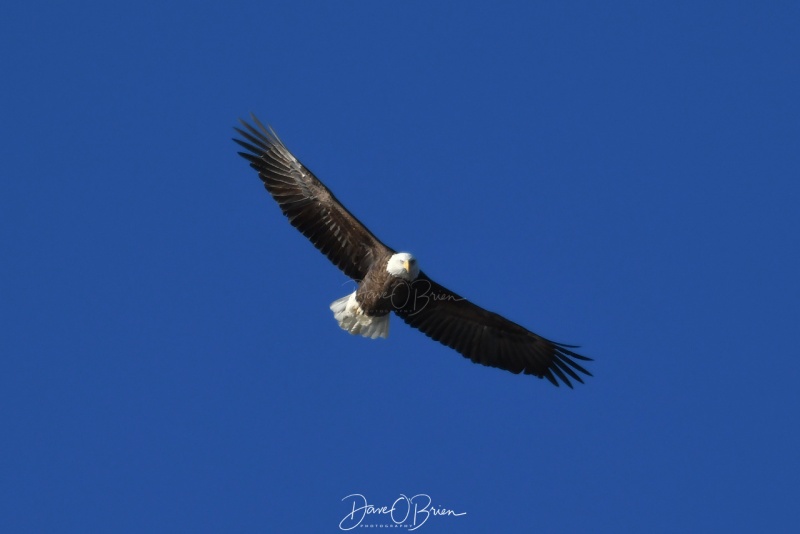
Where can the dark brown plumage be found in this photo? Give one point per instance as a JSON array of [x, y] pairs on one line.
[[478, 334]]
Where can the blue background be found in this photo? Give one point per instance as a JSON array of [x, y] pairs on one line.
[[617, 175]]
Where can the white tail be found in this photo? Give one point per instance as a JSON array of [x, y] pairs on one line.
[[352, 318]]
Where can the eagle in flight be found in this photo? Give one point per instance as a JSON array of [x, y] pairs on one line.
[[390, 281]]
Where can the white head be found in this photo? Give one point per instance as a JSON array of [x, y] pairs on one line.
[[403, 265]]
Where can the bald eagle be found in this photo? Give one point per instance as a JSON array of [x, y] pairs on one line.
[[390, 281]]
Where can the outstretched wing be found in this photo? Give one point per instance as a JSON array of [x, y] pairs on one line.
[[309, 205], [485, 337]]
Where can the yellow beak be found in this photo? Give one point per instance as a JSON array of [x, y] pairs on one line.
[[406, 266]]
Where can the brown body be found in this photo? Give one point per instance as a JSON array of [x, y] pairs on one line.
[[376, 292]]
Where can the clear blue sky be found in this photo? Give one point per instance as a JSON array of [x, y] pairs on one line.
[[614, 175]]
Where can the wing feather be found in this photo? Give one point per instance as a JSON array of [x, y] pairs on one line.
[[486, 337], [308, 204]]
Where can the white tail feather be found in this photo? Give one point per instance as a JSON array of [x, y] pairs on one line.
[[352, 318]]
